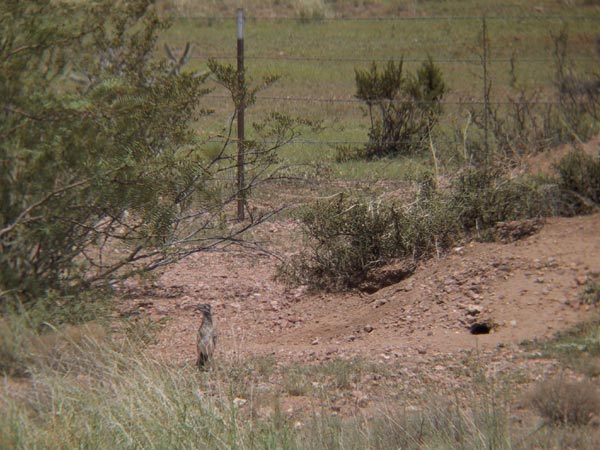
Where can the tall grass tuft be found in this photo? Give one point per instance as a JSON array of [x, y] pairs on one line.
[[87, 391]]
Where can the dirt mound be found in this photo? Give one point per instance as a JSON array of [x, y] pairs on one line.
[[505, 292]]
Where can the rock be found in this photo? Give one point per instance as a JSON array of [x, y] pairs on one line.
[[473, 310], [315, 341], [238, 402], [368, 328], [161, 310]]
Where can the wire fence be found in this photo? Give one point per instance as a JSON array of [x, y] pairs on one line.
[[317, 61]]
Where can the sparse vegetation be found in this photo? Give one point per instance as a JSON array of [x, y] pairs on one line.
[[348, 236], [580, 181], [577, 348], [102, 142], [591, 291], [567, 402]]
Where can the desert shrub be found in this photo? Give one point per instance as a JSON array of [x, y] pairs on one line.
[[349, 235], [92, 146], [568, 402], [483, 197], [578, 93], [403, 109], [524, 126], [579, 179], [533, 121], [102, 176]]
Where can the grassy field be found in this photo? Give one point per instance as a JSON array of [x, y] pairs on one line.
[[316, 58]]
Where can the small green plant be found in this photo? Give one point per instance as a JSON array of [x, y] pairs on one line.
[[566, 402], [295, 381], [591, 292], [143, 329], [402, 109]]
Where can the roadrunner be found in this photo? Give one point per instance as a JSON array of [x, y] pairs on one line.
[[207, 336]]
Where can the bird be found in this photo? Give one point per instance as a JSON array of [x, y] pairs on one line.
[[207, 336]]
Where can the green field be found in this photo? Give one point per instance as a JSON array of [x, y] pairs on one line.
[[316, 59]]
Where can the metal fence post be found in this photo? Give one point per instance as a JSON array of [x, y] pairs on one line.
[[241, 199]]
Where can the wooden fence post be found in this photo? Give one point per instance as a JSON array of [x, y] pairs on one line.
[[241, 199]]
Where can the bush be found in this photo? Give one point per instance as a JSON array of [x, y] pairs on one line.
[[402, 109], [591, 292], [101, 173], [579, 175], [96, 182], [348, 236], [566, 402], [483, 197]]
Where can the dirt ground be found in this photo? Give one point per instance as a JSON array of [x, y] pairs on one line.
[[522, 290], [421, 328]]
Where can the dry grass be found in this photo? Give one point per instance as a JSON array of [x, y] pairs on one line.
[[560, 400], [88, 389]]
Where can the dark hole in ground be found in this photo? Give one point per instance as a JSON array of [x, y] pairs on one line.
[[481, 328]]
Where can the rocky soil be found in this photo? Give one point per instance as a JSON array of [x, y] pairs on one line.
[[482, 295]]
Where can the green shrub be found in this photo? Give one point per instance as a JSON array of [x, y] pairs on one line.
[[483, 197], [102, 176], [348, 236], [403, 110], [579, 179], [591, 292], [97, 181]]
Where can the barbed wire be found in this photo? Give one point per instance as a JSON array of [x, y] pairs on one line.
[[442, 103], [252, 18], [444, 60], [356, 144]]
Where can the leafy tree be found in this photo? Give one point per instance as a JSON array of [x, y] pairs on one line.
[[402, 109], [101, 175]]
